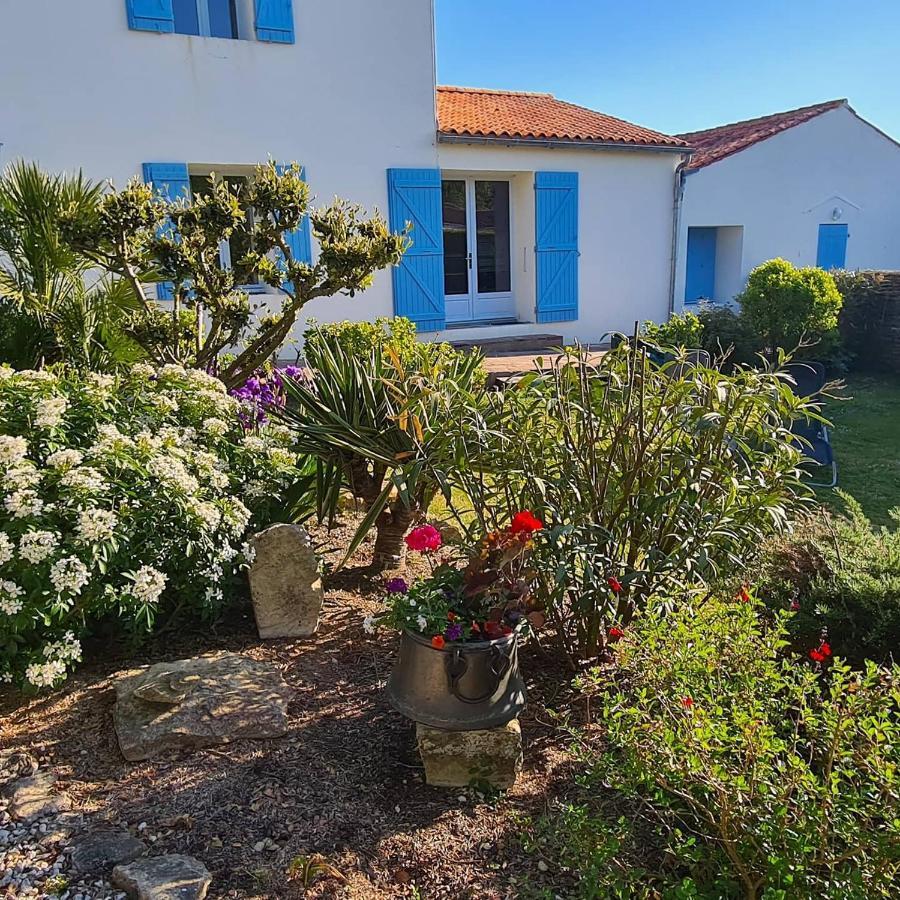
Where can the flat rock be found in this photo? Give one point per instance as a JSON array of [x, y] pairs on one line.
[[491, 756], [34, 797], [99, 851], [285, 583], [200, 702], [163, 878]]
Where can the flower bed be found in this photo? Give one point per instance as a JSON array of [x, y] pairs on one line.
[[122, 496], [487, 598]]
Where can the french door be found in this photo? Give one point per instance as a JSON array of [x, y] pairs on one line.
[[477, 271]]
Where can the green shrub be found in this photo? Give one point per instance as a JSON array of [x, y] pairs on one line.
[[788, 306], [124, 497], [728, 332], [724, 769], [844, 574], [362, 338], [685, 330], [652, 481]]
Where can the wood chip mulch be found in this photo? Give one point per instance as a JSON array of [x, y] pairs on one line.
[[346, 782]]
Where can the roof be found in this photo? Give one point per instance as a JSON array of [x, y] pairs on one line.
[[714, 144], [523, 116]]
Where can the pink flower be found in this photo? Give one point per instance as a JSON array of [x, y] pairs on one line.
[[423, 539]]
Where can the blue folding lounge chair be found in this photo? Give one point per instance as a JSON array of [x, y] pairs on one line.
[[809, 379]]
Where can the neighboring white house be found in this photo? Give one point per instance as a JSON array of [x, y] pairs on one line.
[[816, 186], [530, 215]]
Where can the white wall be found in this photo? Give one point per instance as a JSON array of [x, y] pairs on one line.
[[625, 231], [783, 188], [353, 97]]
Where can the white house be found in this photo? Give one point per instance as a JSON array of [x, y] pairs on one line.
[[816, 186], [530, 215]]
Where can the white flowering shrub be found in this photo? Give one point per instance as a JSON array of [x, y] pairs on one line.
[[122, 497]]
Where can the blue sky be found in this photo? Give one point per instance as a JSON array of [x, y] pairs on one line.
[[680, 66]]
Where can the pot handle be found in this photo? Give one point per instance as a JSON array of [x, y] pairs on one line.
[[457, 665]]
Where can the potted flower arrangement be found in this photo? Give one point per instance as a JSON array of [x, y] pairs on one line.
[[458, 665]]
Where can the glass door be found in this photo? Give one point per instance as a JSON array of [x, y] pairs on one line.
[[477, 236]]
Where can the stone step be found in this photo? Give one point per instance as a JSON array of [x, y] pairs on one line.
[[511, 344]]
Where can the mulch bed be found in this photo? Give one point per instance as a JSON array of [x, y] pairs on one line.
[[346, 782]]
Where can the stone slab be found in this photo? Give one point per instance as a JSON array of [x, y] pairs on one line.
[[99, 851], [285, 583], [171, 877], [201, 702], [462, 758], [34, 797]]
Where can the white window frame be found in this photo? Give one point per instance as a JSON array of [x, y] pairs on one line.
[[243, 14]]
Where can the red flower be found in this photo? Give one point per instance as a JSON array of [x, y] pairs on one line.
[[476, 627], [816, 656], [492, 629], [687, 702], [744, 594], [795, 605], [821, 653], [615, 634], [452, 617], [525, 522], [825, 649], [614, 584], [424, 538], [438, 642]]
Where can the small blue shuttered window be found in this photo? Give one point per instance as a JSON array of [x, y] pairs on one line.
[[172, 181], [274, 19], [414, 196], [556, 245], [831, 252]]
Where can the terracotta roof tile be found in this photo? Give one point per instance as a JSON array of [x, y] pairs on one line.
[[714, 144], [476, 112]]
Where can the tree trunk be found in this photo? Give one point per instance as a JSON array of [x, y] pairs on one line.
[[390, 529]]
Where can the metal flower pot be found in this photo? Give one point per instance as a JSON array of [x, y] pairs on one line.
[[463, 687]]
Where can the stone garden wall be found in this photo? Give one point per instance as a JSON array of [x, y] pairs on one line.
[[870, 319]]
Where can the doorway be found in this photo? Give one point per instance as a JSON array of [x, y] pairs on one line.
[[477, 258]]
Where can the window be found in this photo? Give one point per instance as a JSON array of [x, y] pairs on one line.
[[211, 18], [232, 251]]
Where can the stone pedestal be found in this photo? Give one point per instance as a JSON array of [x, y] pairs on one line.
[[285, 583], [462, 758]]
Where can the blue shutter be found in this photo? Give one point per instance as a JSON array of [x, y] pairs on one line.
[[172, 181], [150, 15], [414, 195], [556, 245], [700, 265], [275, 21], [832, 249], [300, 239]]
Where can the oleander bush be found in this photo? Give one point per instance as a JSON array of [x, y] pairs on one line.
[[841, 573], [125, 497], [725, 768], [653, 482]]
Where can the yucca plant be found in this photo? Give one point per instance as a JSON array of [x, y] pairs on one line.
[[379, 427], [53, 307]]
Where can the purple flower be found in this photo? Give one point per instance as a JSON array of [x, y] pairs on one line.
[[454, 632], [293, 371], [396, 586]]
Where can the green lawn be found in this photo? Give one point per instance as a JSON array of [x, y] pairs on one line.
[[866, 439]]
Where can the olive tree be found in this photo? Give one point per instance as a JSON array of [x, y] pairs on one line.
[[141, 236]]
